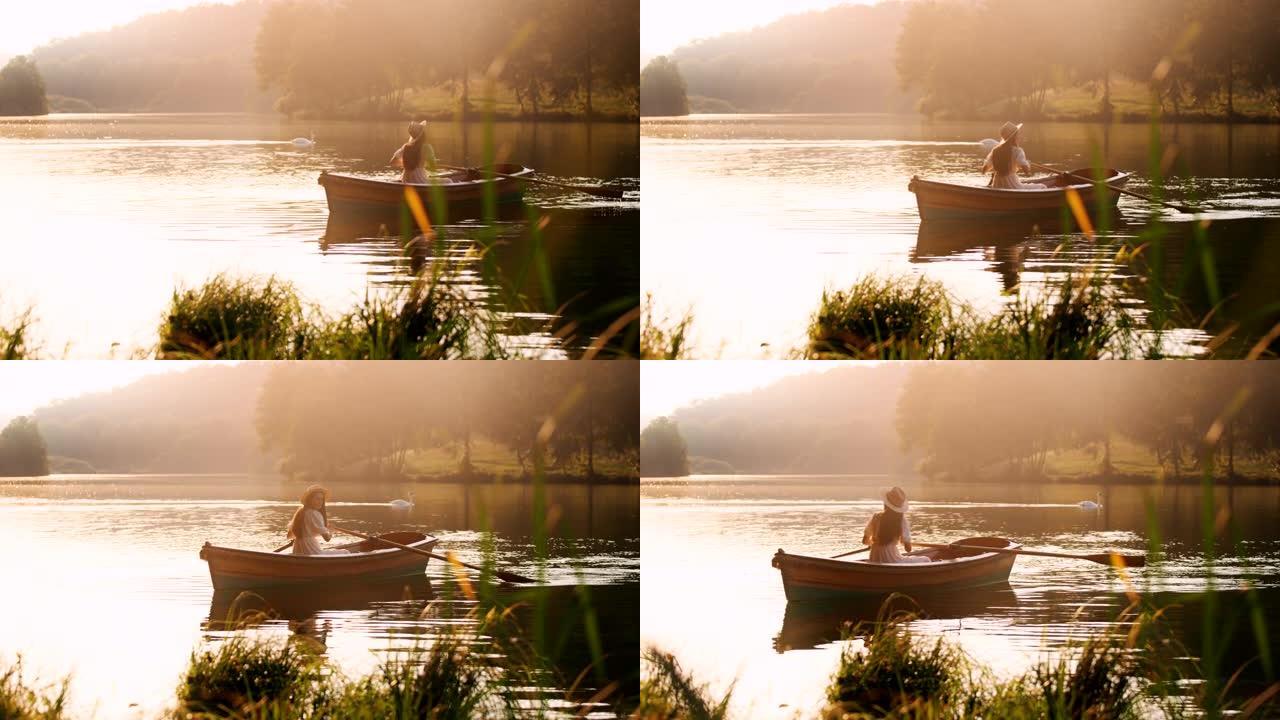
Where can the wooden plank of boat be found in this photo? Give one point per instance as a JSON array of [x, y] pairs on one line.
[[463, 190], [233, 569], [807, 578], [942, 200]]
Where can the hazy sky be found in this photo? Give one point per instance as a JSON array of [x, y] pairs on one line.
[[668, 386], [26, 386], [667, 24], [24, 26]]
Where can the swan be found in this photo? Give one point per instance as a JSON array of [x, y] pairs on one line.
[[403, 504], [1090, 504], [305, 142]]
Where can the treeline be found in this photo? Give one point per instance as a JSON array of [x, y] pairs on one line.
[[825, 423], [1203, 54], [193, 421], [356, 57], [837, 60], [330, 420], [195, 60], [972, 420], [552, 54]]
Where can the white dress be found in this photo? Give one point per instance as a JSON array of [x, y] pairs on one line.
[[1011, 181], [417, 175], [889, 553], [313, 529]]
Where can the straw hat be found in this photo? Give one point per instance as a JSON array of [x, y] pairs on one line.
[[895, 499], [306, 494], [1009, 130]]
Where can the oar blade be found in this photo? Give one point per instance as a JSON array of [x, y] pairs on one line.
[[1116, 559], [511, 577]]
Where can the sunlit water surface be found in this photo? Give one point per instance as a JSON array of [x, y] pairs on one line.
[[103, 579], [103, 216], [711, 597], [749, 218]]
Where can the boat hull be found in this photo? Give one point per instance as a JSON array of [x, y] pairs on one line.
[[950, 201], [806, 578], [463, 195], [232, 569]]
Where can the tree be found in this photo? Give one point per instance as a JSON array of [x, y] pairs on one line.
[[22, 88], [663, 452], [22, 450], [662, 89]]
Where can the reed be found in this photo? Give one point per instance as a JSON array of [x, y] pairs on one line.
[[20, 700], [885, 317], [664, 338], [671, 693], [15, 341]]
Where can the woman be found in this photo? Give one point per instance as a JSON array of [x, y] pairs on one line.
[[889, 527], [413, 156], [1006, 159], [310, 523]]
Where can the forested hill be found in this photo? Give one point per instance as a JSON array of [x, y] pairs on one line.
[[195, 421], [837, 60], [839, 421], [195, 60]]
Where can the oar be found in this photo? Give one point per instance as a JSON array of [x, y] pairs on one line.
[[613, 193], [502, 574], [1175, 206], [283, 547], [1100, 558], [855, 552], [989, 143]]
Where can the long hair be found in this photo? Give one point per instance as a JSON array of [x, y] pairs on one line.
[[295, 524], [1002, 158], [889, 529]]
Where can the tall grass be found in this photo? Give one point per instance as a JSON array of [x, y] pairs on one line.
[[671, 693], [15, 343], [253, 319], [664, 338], [245, 677], [905, 318], [20, 700]]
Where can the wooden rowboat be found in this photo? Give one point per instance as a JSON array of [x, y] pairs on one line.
[[941, 200], [232, 569], [463, 190], [813, 578]]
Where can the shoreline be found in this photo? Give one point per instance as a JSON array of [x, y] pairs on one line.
[[1117, 119]]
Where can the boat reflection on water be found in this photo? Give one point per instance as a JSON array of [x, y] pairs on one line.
[[232, 609], [807, 625], [1006, 243]]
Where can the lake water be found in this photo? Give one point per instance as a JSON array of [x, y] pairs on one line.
[[102, 216], [749, 218], [103, 573], [711, 597]]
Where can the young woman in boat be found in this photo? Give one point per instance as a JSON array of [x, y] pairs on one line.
[[412, 157], [889, 527], [310, 523], [1006, 159]]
